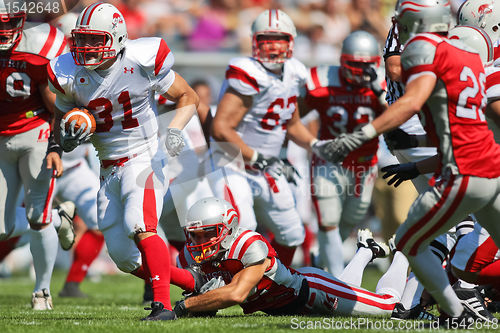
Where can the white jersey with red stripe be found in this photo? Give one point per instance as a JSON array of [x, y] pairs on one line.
[[344, 108], [453, 115], [263, 127], [121, 99], [23, 71], [493, 94], [283, 290]]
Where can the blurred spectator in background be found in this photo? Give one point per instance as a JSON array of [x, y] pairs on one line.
[[366, 15], [214, 27], [313, 48]]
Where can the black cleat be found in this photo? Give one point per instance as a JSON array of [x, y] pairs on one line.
[[472, 300], [415, 313], [158, 312], [365, 239]]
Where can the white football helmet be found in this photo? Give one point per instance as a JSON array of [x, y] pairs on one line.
[[484, 14], [416, 16], [273, 33], [99, 35], [360, 52], [211, 226], [12, 18], [475, 38]]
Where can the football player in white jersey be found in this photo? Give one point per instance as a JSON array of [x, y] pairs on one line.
[[244, 269], [27, 103], [116, 80], [258, 108], [346, 97]]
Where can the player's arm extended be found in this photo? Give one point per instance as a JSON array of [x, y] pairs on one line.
[[231, 109], [416, 94], [493, 111], [186, 99], [299, 133], [234, 293]]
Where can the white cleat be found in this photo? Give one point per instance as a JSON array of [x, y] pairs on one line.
[[66, 232], [392, 244], [365, 239], [41, 300]]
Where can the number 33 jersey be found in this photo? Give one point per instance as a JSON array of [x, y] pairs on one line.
[[453, 115], [121, 98], [264, 126]]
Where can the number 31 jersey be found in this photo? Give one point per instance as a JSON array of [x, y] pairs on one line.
[[263, 128], [121, 98]]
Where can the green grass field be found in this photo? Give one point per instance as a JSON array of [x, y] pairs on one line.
[[114, 306]]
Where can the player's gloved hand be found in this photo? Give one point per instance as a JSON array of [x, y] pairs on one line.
[[198, 276], [399, 139], [212, 284], [336, 150], [290, 172], [180, 309], [175, 141], [72, 137], [271, 165], [375, 81], [401, 172]]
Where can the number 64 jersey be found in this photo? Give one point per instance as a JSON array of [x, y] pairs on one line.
[[263, 128], [120, 98]]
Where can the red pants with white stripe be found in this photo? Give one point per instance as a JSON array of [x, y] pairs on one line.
[[130, 200], [328, 295], [441, 207]]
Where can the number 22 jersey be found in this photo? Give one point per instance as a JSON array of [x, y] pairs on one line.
[[122, 99]]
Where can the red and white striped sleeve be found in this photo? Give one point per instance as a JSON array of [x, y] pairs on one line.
[[250, 248]]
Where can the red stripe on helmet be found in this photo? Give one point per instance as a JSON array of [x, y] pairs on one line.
[[92, 12]]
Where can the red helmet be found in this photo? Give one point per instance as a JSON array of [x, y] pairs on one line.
[[211, 226]]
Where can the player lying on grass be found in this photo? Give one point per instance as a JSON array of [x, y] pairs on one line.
[[244, 269]]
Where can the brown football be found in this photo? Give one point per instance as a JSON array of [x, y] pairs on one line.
[[81, 115]]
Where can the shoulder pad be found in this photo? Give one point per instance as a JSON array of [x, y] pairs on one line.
[[61, 72], [323, 76], [247, 76], [249, 247], [419, 51], [151, 53], [298, 68], [42, 39]]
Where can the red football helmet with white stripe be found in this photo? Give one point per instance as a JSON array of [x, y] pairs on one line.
[[99, 35], [12, 18], [211, 226]]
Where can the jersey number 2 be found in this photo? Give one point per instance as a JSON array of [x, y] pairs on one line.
[[105, 104], [272, 116], [471, 92]]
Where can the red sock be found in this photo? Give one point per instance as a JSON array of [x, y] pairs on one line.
[[285, 253], [156, 260], [182, 278], [490, 274], [87, 249], [306, 245], [142, 274], [7, 246]]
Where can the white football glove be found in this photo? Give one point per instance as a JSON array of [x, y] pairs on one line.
[[175, 141], [71, 138], [212, 284], [271, 165], [335, 151]]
